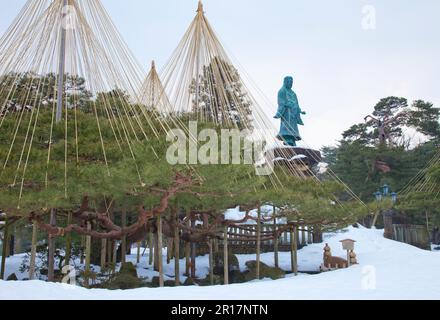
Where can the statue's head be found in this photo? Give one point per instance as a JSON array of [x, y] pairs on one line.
[[288, 82]]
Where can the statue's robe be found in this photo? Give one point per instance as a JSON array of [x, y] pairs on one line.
[[290, 114]]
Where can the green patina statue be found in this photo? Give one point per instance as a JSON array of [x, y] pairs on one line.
[[290, 114]]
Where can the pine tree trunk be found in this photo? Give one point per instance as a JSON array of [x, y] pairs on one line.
[[159, 248], [68, 241], [4, 249], [33, 252], [51, 258], [225, 256], [257, 273]]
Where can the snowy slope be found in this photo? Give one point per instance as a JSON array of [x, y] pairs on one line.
[[387, 270]]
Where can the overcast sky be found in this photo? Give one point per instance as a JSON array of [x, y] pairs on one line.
[[341, 69]]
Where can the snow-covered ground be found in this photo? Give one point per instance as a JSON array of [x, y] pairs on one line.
[[387, 270]]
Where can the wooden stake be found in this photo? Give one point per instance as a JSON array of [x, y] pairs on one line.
[[257, 273], [51, 258], [33, 252], [68, 241], [159, 248], [225, 256]]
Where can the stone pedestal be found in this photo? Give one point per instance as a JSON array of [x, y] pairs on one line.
[[298, 160]]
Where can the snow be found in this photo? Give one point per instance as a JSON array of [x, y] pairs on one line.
[[387, 270]]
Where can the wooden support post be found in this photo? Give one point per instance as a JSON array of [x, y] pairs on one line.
[[177, 254], [211, 261], [225, 256], [276, 251], [257, 273], [68, 241], [138, 254], [193, 251], [151, 246], [303, 236], [294, 250], [83, 245], [170, 242], [88, 254], [309, 234], [159, 248], [51, 249], [4, 249], [188, 246], [33, 251], [124, 238], [103, 253], [157, 254], [114, 255]]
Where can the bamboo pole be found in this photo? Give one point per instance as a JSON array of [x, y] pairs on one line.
[[68, 241], [51, 249], [257, 273], [159, 248], [33, 251], [177, 254], [5, 242], [88, 253], [225, 256]]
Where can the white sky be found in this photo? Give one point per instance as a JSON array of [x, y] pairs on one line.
[[341, 70]]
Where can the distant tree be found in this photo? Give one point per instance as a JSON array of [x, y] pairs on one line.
[[425, 118], [222, 97]]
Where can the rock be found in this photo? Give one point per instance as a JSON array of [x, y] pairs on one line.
[[265, 271], [167, 283], [12, 277], [189, 282], [124, 281], [218, 258], [218, 280], [128, 268], [236, 276]]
